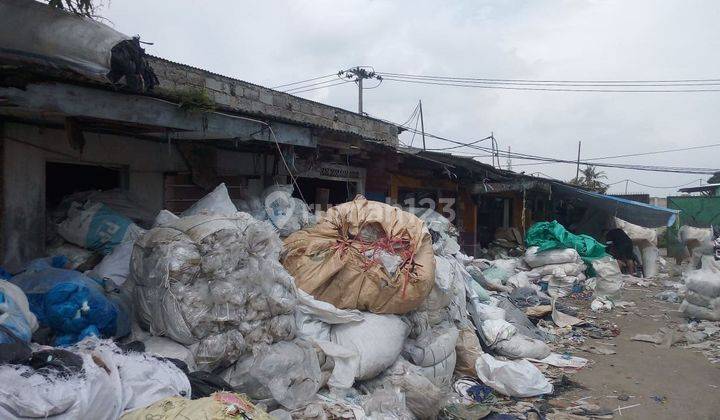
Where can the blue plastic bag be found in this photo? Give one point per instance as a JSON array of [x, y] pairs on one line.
[[72, 304]]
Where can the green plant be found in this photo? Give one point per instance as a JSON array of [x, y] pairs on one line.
[[195, 100]]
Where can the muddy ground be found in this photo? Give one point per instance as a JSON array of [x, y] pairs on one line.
[[667, 383]]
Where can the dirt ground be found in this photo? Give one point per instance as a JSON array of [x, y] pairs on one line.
[[668, 383]]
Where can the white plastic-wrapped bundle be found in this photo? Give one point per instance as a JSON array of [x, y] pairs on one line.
[[703, 297], [533, 258], [214, 284], [645, 239]]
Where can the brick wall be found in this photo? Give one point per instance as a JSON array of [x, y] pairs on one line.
[[248, 98]]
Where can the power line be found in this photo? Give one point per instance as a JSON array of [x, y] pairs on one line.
[[303, 81], [457, 147], [546, 89], [682, 149], [571, 82], [311, 85], [656, 186], [342, 82], [524, 156]]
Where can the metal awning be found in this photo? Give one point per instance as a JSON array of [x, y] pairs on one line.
[[635, 212]]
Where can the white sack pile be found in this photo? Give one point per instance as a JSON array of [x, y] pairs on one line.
[[560, 268], [698, 242], [702, 300], [214, 284]]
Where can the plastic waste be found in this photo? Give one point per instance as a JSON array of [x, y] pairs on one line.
[[72, 305], [214, 284], [432, 347], [516, 378], [95, 392], [422, 397], [441, 373], [377, 341], [286, 213], [467, 349], [386, 403], [115, 266], [608, 278], [97, 227], [553, 235], [216, 202], [12, 320], [534, 258], [165, 347], [706, 280], [164, 217], [287, 371], [15, 294]]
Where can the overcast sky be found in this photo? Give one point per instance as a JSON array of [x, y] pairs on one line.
[[277, 42]]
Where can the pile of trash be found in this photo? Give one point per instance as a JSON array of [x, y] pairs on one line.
[[370, 312]]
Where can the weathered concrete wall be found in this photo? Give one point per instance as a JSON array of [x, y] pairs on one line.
[[246, 97]]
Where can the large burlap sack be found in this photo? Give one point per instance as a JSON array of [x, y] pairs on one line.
[[343, 259]]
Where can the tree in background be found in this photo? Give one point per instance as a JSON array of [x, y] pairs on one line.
[[715, 179], [590, 179]]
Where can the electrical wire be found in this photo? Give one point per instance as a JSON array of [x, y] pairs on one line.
[[321, 87], [546, 89], [313, 84], [303, 81], [457, 147], [529, 81], [524, 156], [287, 167], [415, 111], [656, 186]]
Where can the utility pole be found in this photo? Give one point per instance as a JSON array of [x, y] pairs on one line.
[[577, 171], [493, 145], [509, 161], [422, 125], [626, 185], [358, 74], [360, 92]]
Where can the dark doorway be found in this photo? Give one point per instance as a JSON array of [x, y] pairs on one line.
[[324, 192], [62, 179], [492, 213]]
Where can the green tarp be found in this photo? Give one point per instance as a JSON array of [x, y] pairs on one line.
[[553, 235]]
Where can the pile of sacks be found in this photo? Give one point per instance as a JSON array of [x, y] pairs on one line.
[[560, 269], [697, 241], [702, 300], [392, 309]]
